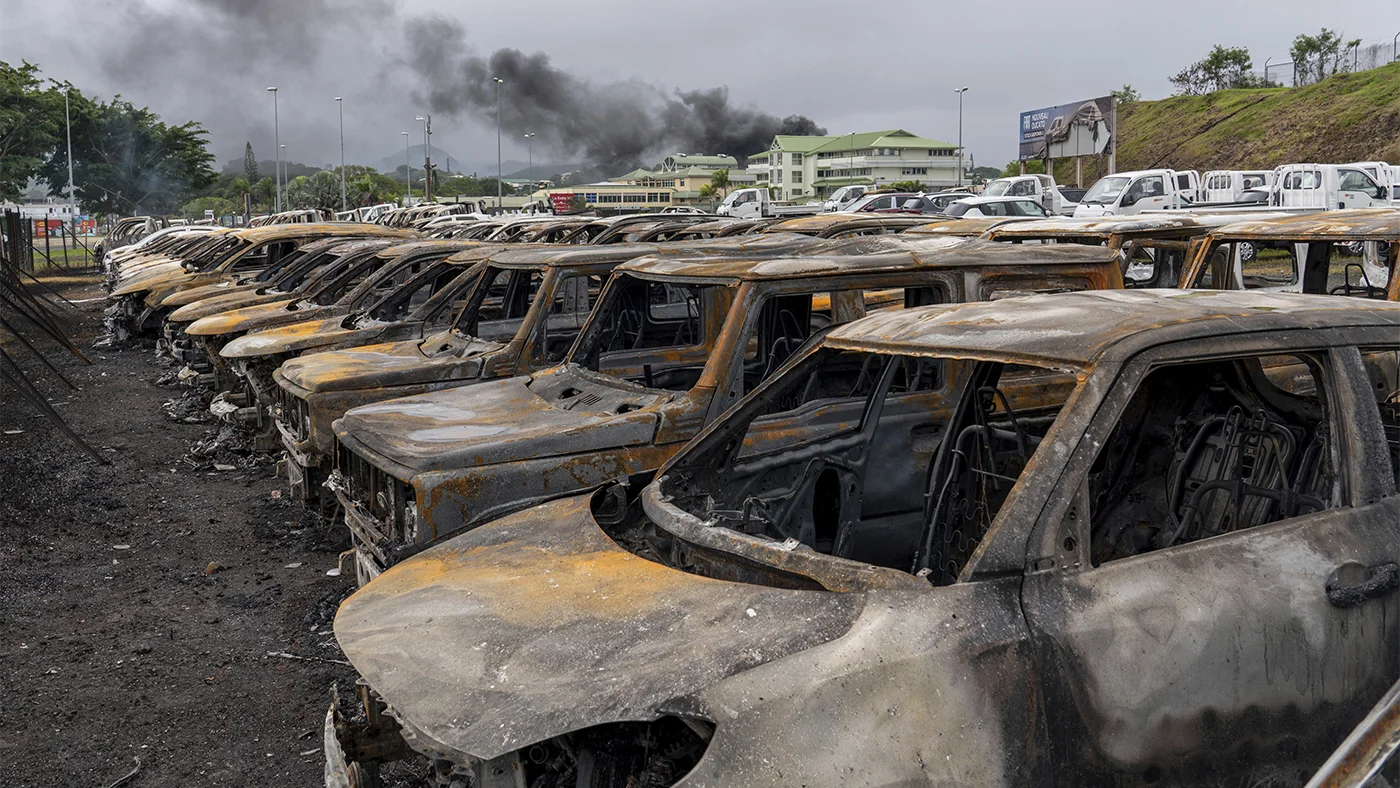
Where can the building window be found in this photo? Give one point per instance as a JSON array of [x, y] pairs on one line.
[[796, 158], [797, 176], [777, 176], [914, 171], [778, 158], [590, 197]]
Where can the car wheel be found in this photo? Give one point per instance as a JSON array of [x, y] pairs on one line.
[[1246, 251]]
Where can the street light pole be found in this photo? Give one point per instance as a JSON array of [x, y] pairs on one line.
[[960, 92], [530, 152], [68, 121], [341, 105], [277, 149], [498, 82], [407, 170], [427, 160], [283, 167]]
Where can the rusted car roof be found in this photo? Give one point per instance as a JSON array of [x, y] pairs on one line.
[[412, 247], [1069, 226], [273, 232], [1380, 224], [827, 222], [866, 255], [961, 228], [541, 255], [1077, 329]]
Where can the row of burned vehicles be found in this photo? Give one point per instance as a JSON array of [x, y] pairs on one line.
[[835, 500]]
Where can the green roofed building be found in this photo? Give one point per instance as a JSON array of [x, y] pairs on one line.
[[683, 175], [816, 166]]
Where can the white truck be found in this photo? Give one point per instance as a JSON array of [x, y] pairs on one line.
[[1327, 187], [1228, 186], [844, 197], [1387, 175], [755, 204], [1041, 188], [1127, 193]]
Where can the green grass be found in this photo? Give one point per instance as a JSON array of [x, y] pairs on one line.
[[77, 257], [1347, 117]]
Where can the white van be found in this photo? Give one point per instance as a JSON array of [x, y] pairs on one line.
[[842, 198], [1326, 187]]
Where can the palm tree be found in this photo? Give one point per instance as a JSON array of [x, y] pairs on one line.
[[719, 182]]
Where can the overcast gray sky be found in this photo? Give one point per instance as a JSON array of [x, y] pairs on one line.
[[848, 66]]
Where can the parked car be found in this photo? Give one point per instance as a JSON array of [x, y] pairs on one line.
[[1113, 538], [879, 201], [973, 207], [928, 204]]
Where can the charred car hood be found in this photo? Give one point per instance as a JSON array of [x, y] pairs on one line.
[[388, 364], [301, 336], [538, 624], [153, 280], [203, 292], [493, 422], [231, 299], [253, 318]]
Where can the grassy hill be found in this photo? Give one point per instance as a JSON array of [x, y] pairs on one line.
[[1348, 117]]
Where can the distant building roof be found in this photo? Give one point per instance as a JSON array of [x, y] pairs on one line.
[[889, 138], [682, 160]]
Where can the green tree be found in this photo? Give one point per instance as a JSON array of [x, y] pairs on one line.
[[321, 190], [1033, 167], [708, 191], [194, 209], [126, 160], [907, 186], [263, 194], [31, 119], [1222, 68], [1318, 57], [1126, 95], [719, 181], [250, 163]]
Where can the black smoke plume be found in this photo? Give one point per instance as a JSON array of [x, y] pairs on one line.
[[614, 125]]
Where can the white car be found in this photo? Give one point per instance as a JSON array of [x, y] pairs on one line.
[[995, 206], [682, 209]]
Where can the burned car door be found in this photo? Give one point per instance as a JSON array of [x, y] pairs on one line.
[[1213, 586]]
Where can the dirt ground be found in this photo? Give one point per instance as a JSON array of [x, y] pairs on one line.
[[120, 641]]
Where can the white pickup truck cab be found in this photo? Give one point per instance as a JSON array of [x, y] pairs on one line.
[[1387, 175], [755, 204], [1127, 193], [1327, 187], [1041, 188], [844, 197]]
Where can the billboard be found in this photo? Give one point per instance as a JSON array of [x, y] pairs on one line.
[[563, 203], [1081, 128]]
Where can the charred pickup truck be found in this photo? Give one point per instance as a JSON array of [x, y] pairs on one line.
[[242, 253], [670, 346], [1112, 538], [1345, 252], [418, 299], [362, 272], [521, 315]]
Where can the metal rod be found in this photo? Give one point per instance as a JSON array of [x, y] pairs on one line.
[[498, 82], [277, 150], [340, 104]]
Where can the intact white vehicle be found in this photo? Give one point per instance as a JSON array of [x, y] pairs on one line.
[[976, 207], [755, 204], [1041, 188], [842, 198], [682, 209], [1387, 175], [1326, 187], [1128, 193], [1225, 186]]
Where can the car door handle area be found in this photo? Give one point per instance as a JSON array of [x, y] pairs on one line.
[[1353, 583]]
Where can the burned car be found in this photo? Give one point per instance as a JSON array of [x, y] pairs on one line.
[[846, 225], [418, 299], [521, 315], [1345, 252], [1093, 538], [242, 253], [671, 345]]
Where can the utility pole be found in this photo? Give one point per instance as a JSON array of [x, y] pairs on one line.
[[407, 170], [960, 92], [341, 105], [68, 120], [277, 149], [498, 82], [427, 122], [530, 151]]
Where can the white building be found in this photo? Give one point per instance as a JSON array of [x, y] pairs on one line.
[[802, 167]]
